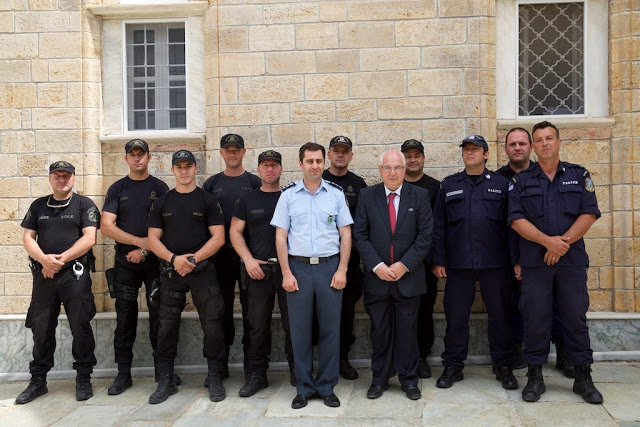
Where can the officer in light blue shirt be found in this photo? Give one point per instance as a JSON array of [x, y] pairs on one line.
[[313, 241]]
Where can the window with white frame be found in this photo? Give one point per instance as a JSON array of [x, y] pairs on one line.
[[549, 58], [156, 76]]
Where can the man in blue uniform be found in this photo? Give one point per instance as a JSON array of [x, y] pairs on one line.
[[313, 241], [59, 232], [552, 205], [470, 245]]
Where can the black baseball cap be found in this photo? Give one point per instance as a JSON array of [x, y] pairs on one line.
[[476, 140], [183, 156], [270, 155], [340, 140], [412, 143], [231, 139], [61, 165], [136, 143]]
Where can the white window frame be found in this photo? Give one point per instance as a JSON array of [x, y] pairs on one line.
[[596, 70], [115, 17]]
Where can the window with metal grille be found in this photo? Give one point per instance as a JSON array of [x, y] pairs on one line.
[[551, 59], [156, 76]]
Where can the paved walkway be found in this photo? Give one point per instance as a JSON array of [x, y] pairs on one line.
[[478, 400]]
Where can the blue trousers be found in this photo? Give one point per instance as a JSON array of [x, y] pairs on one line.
[[568, 287], [459, 293], [313, 283]]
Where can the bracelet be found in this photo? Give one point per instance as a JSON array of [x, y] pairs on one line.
[[173, 257]]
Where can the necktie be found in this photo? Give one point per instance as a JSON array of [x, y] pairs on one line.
[[392, 218]]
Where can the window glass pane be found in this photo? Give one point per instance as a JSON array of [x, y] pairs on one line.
[[176, 54], [152, 120], [138, 55], [139, 120], [176, 71], [151, 57], [138, 71], [138, 36], [176, 35], [150, 36], [138, 100], [151, 98], [178, 119], [177, 98], [551, 59]]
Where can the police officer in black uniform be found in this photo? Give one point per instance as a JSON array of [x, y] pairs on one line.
[[552, 206], [124, 219], [227, 186], [413, 151], [186, 228], [470, 245], [254, 239], [340, 154], [59, 232]]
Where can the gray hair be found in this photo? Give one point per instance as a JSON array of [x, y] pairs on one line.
[[384, 153]]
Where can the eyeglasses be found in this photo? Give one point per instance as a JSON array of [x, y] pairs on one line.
[[388, 169], [64, 203]]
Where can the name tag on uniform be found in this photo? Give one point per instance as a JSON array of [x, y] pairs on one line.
[[494, 190], [454, 193], [569, 182]]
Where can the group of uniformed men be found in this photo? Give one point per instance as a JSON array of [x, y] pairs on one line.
[[518, 232]]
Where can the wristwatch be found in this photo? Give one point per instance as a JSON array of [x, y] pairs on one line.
[[144, 252]]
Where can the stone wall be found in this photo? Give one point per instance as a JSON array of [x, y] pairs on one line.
[[283, 73]]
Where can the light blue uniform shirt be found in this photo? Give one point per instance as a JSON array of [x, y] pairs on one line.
[[312, 220]]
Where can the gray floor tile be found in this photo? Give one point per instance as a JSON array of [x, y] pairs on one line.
[[622, 401], [469, 414], [98, 416], [556, 413]]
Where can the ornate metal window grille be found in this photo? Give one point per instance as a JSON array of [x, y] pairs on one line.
[[156, 77], [551, 59]]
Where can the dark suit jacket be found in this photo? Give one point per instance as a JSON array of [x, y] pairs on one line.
[[411, 240]]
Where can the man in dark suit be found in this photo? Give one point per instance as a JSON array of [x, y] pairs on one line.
[[392, 230]]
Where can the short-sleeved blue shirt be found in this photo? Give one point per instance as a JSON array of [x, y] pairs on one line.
[[552, 207], [312, 220]]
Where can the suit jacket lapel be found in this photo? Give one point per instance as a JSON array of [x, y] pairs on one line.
[[405, 202], [381, 201]]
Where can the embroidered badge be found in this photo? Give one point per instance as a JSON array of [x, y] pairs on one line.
[[330, 219], [588, 185]]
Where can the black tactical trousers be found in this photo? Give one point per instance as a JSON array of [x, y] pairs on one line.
[[42, 319]]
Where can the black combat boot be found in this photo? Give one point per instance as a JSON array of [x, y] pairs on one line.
[[84, 391], [535, 385], [583, 385], [225, 375], [561, 361], [449, 376], [166, 387], [36, 388], [216, 389], [122, 382], [176, 379], [504, 374], [256, 381]]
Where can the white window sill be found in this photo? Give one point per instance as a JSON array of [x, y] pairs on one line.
[[169, 139], [132, 11], [560, 122]]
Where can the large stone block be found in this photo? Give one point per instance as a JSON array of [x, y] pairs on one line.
[[65, 70], [448, 8], [17, 142], [366, 34], [442, 155], [317, 36], [60, 45], [410, 108], [290, 13], [326, 131], [33, 164], [18, 46], [15, 304], [459, 56], [398, 58], [241, 64], [18, 95], [15, 71], [59, 141], [254, 90], [623, 254], [234, 115], [462, 106], [599, 251], [228, 91], [622, 197], [39, 70], [10, 233], [335, 11], [378, 85], [586, 151], [10, 119], [322, 87], [620, 25], [337, 61], [13, 259], [239, 15], [18, 283], [290, 62], [388, 131], [8, 164], [30, 22], [356, 110], [624, 301], [601, 300], [272, 37], [52, 95], [292, 134], [391, 10], [233, 39], [9, 209], [14, 187], [434, 82], [427, 32], [307, 112], [57, 118]]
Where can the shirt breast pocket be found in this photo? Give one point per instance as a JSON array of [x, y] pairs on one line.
[[455, 208], [327, 216], [494, 205], [570, 198], [531, 201], [299, 217]]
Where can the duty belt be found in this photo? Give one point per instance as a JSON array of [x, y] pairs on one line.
[[313, 260], [85, 260]]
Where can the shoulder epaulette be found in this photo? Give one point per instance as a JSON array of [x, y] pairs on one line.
[[288, 186], [333, 184]]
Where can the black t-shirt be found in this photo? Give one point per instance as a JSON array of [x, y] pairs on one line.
[[131, 201], [351, 185], [185, 219], [430, 184], [59, 228], [227, 189], [256, 208]]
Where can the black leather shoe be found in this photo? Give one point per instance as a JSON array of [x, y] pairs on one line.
[[376, 390], [256, 382], [120, 384], [412, 392], [331, 400], [216, 389], [424, 371], [504, 374], [176, 379], [84, 391], [225, 375], [299, 402], [36, 388], [166, 387], [449, 376], [347, 371]]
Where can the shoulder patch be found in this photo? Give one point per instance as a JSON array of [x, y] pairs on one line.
[[288, 186], [333, 184], [588, 183]]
